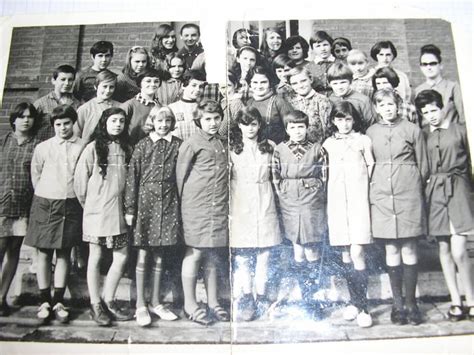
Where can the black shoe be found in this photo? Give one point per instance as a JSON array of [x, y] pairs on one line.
[[470, 313], [99, 315], [199, 316], [315, 310], [246, 308], [115, 312], [455, 313], [262, 306], [398, 316], [219, 314], [414, 316], [4, 309]]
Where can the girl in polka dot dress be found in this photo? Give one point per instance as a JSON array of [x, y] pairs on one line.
[[151, 202]]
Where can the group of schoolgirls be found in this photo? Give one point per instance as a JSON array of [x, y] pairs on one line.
[[106, 174], [321, 173], [360, 156]]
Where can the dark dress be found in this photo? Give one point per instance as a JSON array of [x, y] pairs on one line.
[[396, 189], [273, 108], [449, 191], [299, 181], [202, 176], [151, 193]]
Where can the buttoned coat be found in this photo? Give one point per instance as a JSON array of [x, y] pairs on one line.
[[301, 192], [350, 158], [151, 194], [101, 198], [396, 189], [449, 191], [253, 215], [202, 178]]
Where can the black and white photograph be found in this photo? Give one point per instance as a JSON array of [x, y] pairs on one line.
[[109, 106], [236, 184], [356, 238]]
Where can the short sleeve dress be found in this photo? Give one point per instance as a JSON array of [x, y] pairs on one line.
[[348, 188], [16, 190]]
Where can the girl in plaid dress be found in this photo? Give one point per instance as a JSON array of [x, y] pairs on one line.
[[306, 99], [16, 191]]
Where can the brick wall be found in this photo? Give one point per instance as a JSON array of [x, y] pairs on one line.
[[23, 69], [438, 32], [408, 35]]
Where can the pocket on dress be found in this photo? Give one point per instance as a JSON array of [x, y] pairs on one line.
[[5, 198], [41, 210], [283, 186], [372, 193], [313, 185]]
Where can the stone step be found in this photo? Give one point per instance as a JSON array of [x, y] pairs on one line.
[[430, 282]]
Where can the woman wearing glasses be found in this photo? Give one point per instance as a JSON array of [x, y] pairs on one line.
[[431, 67]]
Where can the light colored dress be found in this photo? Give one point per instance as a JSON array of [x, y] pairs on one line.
[[350, 157], [88, 116], [56, 215], [102, 199], [253, 215]]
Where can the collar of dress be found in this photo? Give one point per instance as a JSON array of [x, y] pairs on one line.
[[155, 137], [444, 125], [319, 60], [145, 101], [62, 141], [266, 96]]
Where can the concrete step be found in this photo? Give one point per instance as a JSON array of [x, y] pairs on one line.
[[430, 282]]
